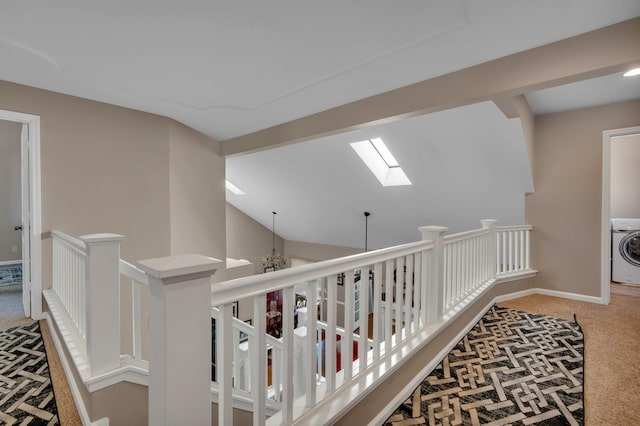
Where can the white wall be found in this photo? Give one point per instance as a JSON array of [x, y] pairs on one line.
[[625, 176], [10, 192]]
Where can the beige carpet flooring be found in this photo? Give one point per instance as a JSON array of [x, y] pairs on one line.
[[612, 353]]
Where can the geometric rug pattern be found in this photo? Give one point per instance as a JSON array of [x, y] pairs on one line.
[[513, 368], [10, 275], [26, 393]]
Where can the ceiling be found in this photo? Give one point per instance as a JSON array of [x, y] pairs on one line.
[[229, 69]]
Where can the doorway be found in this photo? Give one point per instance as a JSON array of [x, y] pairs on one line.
[[605, 253], [28, 225]]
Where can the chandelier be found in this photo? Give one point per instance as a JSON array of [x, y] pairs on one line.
[[274, 261]]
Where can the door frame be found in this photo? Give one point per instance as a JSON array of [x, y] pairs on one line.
[[605, 249], [34, 235]]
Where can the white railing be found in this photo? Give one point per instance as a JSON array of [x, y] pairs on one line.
[[404, 297], [468, 263], [301, 377], [513, 252], [243, 332], [69, 284], [69, 259]]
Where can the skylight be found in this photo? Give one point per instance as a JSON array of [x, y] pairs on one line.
[[632, 72], [231, 187], [381, 162]]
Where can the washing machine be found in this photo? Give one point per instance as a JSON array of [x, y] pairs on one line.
[[625, 251]]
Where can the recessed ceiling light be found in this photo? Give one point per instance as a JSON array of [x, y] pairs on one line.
[[381, 162], [231, 187], [632, 72]]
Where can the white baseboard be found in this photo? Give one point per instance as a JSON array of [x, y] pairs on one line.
[[73, 386], [573, 296], [547, 292], [10, 262]]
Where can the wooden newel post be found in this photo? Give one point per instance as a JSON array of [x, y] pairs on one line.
[[435, 272], [102, 301], [180, 339], [492, 255]]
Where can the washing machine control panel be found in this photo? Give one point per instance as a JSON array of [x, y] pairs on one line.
[[625, 224]]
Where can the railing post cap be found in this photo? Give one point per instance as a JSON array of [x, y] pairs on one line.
[[432, 231], [489, 223], [101, 238], [433, 228], [171, 267]]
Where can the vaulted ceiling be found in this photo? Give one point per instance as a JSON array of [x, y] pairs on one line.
[[233, 69]]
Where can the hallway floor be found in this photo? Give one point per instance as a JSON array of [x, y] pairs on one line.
[[11, 311], [612, 344]]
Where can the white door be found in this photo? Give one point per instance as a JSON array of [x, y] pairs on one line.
[[26, 225]]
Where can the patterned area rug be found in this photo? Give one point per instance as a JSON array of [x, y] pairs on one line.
[[26, 393], [10, 275], [512, 368]]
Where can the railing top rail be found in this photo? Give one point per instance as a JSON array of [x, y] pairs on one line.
[[463, 235], [515, 228], [69, 240], [133, 272], [230, 291]]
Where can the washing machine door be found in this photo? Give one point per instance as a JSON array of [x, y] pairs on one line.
[[630, 248]]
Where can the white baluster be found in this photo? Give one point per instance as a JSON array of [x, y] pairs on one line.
[[288, 302], [347, 340], [363, 343], [408, 299], [527, 258], [424, 264], [330, 334], [399, 297], [258, 354], [136, 317], [310, 361], [377, 310], [417, 290], [388, 305]]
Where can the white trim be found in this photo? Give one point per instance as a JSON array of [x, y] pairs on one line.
[[547, 292], [10, 262], [35, 239], [572, 296], [605, 247], [73, 386], [410, 387]]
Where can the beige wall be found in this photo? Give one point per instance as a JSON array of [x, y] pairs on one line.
[[103, 169], [625, 176], [247, 239], [197, 194], [565, 210], [10, 192], [316, 252], [110, 169]]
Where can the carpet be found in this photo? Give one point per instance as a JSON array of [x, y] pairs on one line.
[[10, 275], [513, 367], [26, 393]]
